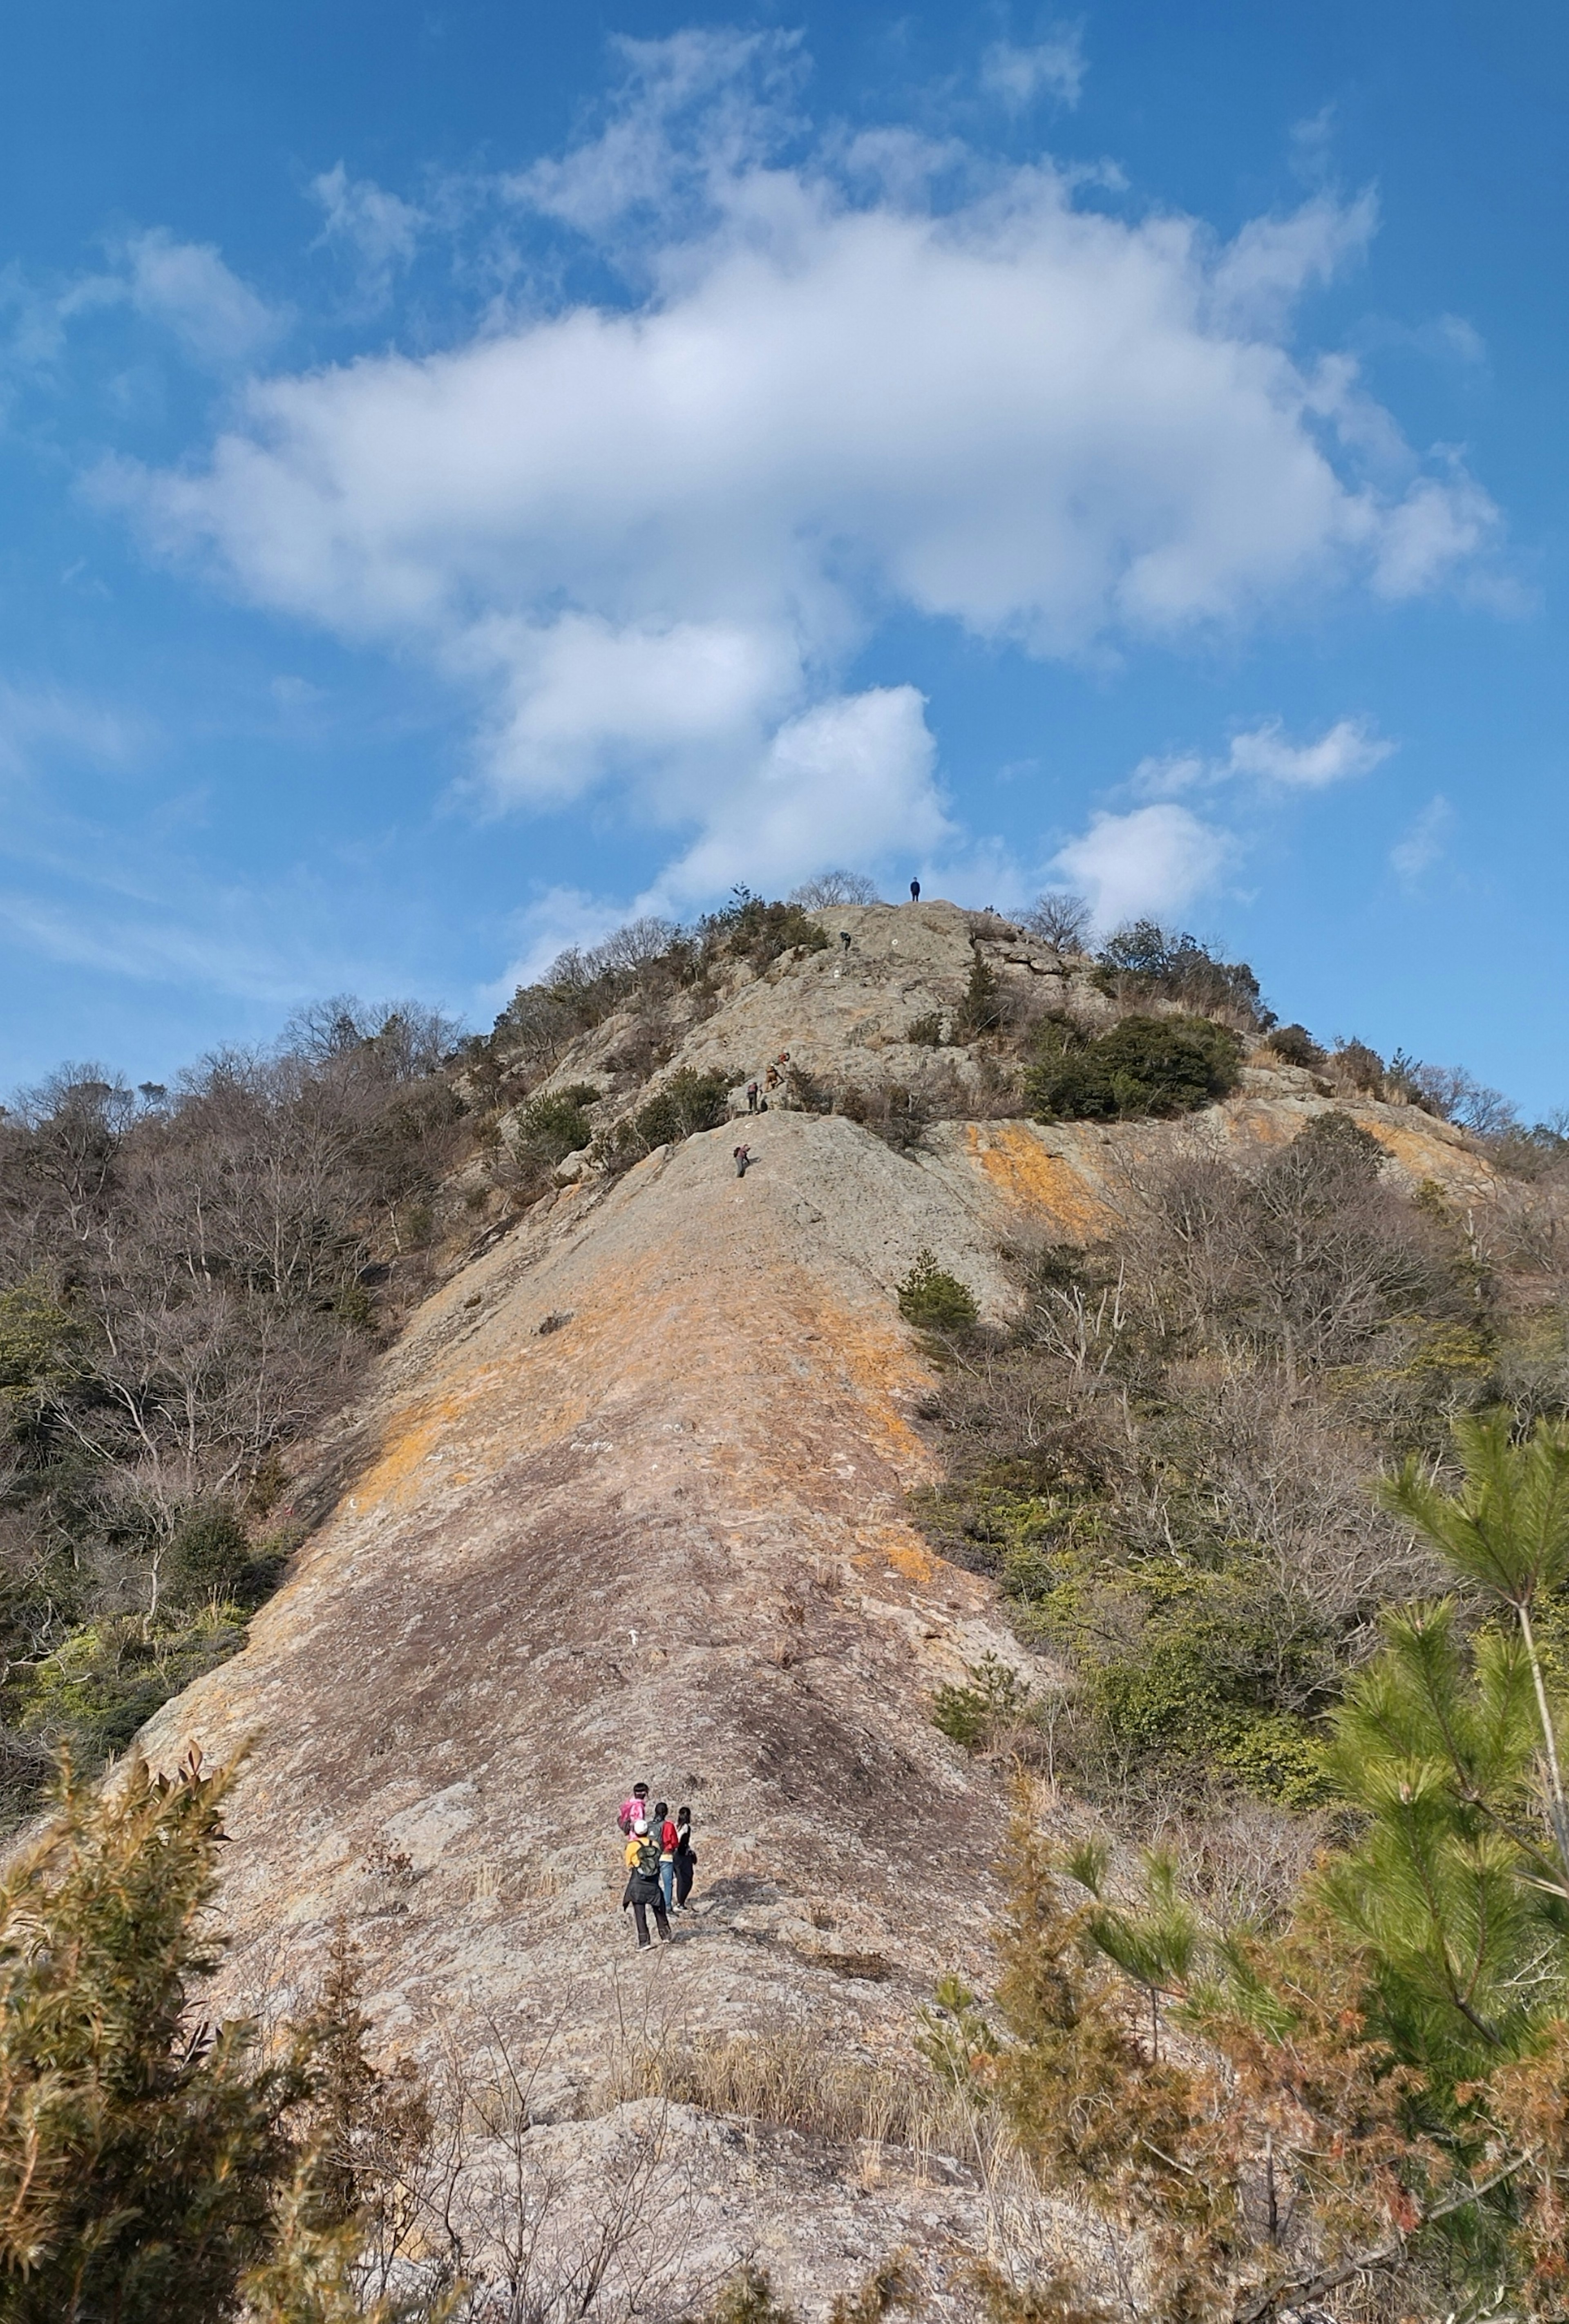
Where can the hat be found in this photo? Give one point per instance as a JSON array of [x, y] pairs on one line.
[[641, 1825]]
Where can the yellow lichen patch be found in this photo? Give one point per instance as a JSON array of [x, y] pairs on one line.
[[1252, 1122], [1427, 1157], [1031, 1178], [878, 1364], [908, 1554]]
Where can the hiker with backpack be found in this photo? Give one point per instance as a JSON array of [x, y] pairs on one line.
[[643, 1892], [630, 1809]]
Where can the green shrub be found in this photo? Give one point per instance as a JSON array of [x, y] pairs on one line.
[[995, 1697], [108, 1677], [1145, 961], [208, 1556], [1202, 1688], [926, 1032], [1144, 1066], [550, 1128], [981, 1009], [759, 931], [1294, 1045], [935, 1299], [689, 1101]]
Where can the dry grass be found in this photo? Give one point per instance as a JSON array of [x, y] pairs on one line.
[[790, 2079]]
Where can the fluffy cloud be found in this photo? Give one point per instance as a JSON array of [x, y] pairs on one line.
[[1154, 861], [1351, 746], [837, 785], [651, 536]]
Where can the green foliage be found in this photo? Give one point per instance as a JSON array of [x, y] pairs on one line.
[[1144, 961], [210, 1559], [1294, 1045], [39, 1347], [981, 1009], [956, 2034], [754, 930], [935, 1300], [1453, 1886], [1142, 1066], [1203, 1686], [106, 1678], [995, 1698], [689, 1101], [926, 1032], [139, 2164], [548, 1128]]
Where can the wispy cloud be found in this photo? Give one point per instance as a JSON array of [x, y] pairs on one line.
[[377, 231], [1265, 755], [1019, 77], [1424, 842], [42, 724]]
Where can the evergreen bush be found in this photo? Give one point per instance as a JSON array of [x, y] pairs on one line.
[[932, 1299], [1158, 1066]]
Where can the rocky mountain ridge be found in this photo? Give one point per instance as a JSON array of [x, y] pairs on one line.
[[628, 1498]]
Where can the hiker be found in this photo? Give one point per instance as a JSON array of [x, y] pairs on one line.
[[642, 1891], [667, 1831], [844, 938], [770, 1079], [741, 1156], [751, 1097], [630, 1810], [915, 892], [686, 1857]]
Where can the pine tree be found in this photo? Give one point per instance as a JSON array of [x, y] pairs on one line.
[[140, 2153]]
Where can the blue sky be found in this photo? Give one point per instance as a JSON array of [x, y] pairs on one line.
[[472, 471]]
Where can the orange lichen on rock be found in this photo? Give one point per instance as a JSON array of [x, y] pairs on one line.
[[1035, 1181]]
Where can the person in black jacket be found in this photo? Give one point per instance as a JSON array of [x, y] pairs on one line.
[[915, 892], [686, 1857], [643, 1884]]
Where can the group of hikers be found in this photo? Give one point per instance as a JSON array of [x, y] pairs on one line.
[[660, 1861], [757, 1092]]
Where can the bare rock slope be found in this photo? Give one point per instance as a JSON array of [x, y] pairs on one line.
[[628, 1500]]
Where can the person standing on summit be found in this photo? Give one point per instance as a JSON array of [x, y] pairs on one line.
[[915, 892]]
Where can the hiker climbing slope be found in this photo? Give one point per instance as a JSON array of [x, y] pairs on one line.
[[643, 1884]]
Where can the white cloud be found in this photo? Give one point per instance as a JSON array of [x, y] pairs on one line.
[[1261, 274], [1152, 862], [1351, 746], [839, 784], [1017, 76], [186, 286], [1424, 843], [650, 536], [377, 229]]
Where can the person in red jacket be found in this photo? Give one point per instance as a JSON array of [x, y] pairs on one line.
[[669, 1840]]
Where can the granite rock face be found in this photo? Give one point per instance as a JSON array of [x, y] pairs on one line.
[[627, 1501]]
